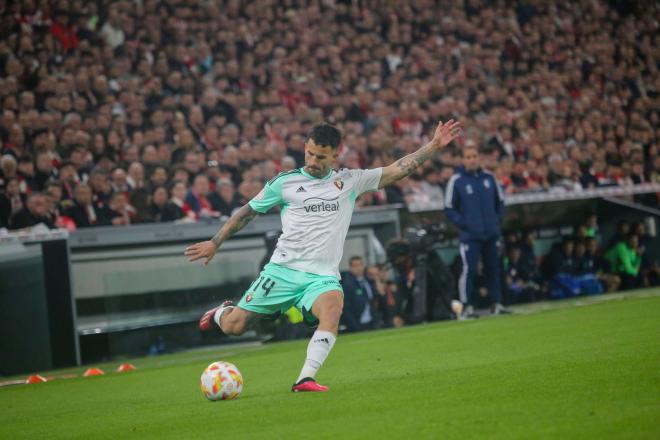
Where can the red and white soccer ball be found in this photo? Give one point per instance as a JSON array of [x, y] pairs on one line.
[[221, 381]]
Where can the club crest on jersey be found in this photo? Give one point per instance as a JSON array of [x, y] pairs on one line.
[[339, 184], [248, 298], [486, 183], [468, 189]]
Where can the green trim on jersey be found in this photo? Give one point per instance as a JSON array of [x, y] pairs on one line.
[[282, 174], [353, 197], [271, 194], [306, 174]]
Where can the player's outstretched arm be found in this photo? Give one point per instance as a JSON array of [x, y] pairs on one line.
[[206, 249], [444, 134]]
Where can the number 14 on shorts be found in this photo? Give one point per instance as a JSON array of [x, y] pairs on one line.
[[266, 284]]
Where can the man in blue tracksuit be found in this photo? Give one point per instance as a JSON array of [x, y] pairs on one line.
[[475, 204]]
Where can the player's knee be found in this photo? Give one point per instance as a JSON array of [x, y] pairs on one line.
[[332, 313]]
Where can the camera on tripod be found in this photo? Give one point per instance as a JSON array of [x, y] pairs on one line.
[[430, 296], [423, 238]]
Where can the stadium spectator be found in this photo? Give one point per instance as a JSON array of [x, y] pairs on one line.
[[25, 173], [84, 213], [176, 208], [53, 191], [44, 170], [101, 188], [34, 212], [63, 31], [197, 198], [158, 177], [69, 179], [119, 183], [359, 294], [11, 201], [224, 199], [288, 163], [157, 203], [8, 168], [119, 212], [138, 195]]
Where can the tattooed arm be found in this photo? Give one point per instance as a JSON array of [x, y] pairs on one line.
[[235, 223], [206, 249], [444, 134]]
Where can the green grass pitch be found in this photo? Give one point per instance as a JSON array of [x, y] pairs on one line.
[[588, 368]]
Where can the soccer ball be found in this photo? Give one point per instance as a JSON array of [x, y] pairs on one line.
[[221, 381]]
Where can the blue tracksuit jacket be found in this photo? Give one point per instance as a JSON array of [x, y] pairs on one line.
[[475, 204]]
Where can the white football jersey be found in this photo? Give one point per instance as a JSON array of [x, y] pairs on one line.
[[316, 214]]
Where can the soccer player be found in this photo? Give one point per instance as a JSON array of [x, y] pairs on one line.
[[316, 205]]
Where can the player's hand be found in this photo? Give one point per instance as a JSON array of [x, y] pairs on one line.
[[445, 133], [203, 250]]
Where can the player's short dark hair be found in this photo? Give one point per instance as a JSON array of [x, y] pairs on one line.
[[325, 135]]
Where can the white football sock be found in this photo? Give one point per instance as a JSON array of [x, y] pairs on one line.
[[318, 349], [218, 314]]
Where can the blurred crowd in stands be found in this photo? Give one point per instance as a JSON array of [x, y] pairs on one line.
[[122, 112]]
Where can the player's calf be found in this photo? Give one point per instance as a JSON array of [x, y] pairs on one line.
[[235, 321], [214, 315]]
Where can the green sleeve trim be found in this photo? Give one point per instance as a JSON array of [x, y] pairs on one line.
[[286, 173], [353, 197], [272, 195]]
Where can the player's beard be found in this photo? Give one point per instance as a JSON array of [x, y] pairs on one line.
[[316, 171]]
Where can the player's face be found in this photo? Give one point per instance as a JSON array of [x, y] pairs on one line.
[[470, 159], [319, 159]]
